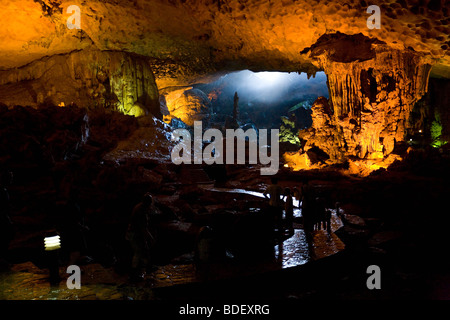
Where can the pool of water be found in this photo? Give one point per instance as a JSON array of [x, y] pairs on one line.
[[293, 251]]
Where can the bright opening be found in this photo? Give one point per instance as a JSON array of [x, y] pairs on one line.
[[266, 97]]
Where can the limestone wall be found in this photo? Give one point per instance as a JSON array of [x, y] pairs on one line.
[[88, 78]]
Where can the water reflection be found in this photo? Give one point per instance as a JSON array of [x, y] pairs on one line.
[[296, 202], [241, 191], [293, 251]]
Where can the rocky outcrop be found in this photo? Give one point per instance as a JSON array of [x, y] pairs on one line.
[[188, 105], [191, 38], [48, 135], [90, 78], [372, 88]]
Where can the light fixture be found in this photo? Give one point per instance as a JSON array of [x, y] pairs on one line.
[[52, 243]]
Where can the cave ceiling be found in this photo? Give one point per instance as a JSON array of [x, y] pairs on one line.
[[187, 40]]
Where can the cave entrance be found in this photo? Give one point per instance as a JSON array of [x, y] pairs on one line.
[[265, 99]]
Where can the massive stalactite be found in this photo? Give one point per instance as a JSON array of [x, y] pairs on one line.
[[372, 88]]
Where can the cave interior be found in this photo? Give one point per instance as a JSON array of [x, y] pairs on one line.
[[93, 95]]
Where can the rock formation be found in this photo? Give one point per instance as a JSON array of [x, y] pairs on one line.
[[90, 78], [125, 52], [372, 88], [188, 105], [190, 39]]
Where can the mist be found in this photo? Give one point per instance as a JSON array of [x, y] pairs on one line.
[[266, 96]]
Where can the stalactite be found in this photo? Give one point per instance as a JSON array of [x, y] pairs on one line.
[[131, 84], [371, 101]]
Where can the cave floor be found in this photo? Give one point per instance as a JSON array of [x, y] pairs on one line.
[[395, 219], [26, 281]]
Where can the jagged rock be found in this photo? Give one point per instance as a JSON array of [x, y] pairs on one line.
[[366, 167], [188, 105], [322, 135], [47, 135], [315, 155], [151, 140], [371, 96], [213, 34], [177, 124], [354, 221], [89, 78]]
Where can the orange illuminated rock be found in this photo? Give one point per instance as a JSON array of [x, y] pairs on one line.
[[191, 39], [188, 105], [372, 88]]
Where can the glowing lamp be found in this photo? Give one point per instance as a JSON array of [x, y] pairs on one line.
[[52, 243], [286, 165]]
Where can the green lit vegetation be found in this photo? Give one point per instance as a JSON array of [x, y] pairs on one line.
[[304, 104], [288, 133], [436, 132], [132, 110]]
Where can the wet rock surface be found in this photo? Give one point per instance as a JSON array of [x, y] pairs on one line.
[[383, 219]]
